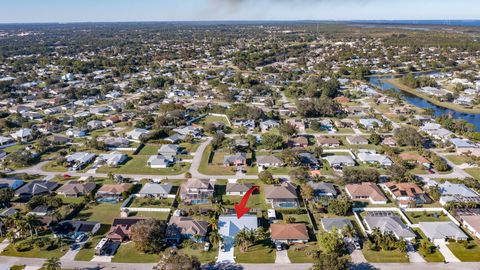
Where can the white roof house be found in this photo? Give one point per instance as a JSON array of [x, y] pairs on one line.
[[370, 123], [137, 134], [22, 134], [228, 227], [159, 161], [112, 159], [438, 232], [340, 161], [391, 224], [451, 192], [370, 156], [80, 159]]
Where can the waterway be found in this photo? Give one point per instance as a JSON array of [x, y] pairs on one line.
[[424, 104]]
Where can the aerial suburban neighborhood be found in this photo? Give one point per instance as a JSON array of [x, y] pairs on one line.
[[255, 145]]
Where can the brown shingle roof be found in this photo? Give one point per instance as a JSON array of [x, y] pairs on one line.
[[366, 189], [296, 231], [283, 191]]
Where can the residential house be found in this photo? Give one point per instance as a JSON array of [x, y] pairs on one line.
[[269, 161], [366, 192], [10, 183], [308, 159], [6, 141], [390, 224], [193, 131], [282, 196], [169, 151], [79, 160], [406, 194], [196, 191], [23, 135], [323, 189], [239, 159], [237, 189], [41, 211], [153, 190], [357, 140], [110, 191], [137, 134], [186, 228], [436, 131], [121, 229], [96, 124], [76, 132], [451, 192], [418, 159], [440, 232], [159, 162], [294, 233], [36, 188], [73, 228], [298, 124], [298, 141], [337, 162], [76, 189], [472, 223], [371, 157], [112, 159], [269, 124], [389, 141], [114, 143], [328, 142], [370, 123], [230, 225]]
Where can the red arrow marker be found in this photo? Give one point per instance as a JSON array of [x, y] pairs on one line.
[[241, 208]]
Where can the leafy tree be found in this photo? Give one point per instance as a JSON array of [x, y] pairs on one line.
[[287, 129], [352, 175], [148, 235], [267, 178], [440, 164], [331, 242], [307, 192], [174, 261], [299, 175], [408, 136], [375, 138], [434, 192], [290, 157], [340, 207], [6, 195], [272, 141], [331, 262]]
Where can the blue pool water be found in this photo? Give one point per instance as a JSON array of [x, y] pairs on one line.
[[287, 205], [108, 200], [199, 201]]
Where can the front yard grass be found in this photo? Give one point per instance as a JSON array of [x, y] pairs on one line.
[[88, 250], [391, 256], [436, 256], [127, 253], [259, 253], [202, 256], [474, 172], [299, 253], [471, 254], [458, 159]]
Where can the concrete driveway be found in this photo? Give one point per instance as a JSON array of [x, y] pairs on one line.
[[227, 255], [357, 256], [447, 253], [282, 257]]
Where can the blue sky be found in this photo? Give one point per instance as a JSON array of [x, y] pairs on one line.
[[12, 11]]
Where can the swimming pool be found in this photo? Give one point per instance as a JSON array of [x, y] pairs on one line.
[[287, 204], [108, 200], [199, 201]]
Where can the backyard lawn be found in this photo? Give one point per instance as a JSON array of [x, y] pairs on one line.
[[139, 202], [458, 159], [127, 253], [260, 253], [210, 169], [157, 215], [416, 217], [474, 172], [472, 254], [212, 119], [138, 165], [393, 256]]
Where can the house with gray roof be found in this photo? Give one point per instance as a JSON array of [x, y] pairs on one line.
[[371, 157], [112, 159], [239, 159], [338, 161], [169, 151], [186, 228], [76, 188], [137, 134], [237, 189], [268, 161], [36, 188], [356, 140], [323, 189], [392, 224], [79, 160], [370, 123], [153, 190], [329, 224], [451, 192], [439, 232], [281, 196], [159, 162]]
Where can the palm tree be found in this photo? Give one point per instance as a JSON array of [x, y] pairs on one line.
[[52, 264], [348, 231], [213, 223], [244, 239], [219, 209], [32, 223], [214, 237]]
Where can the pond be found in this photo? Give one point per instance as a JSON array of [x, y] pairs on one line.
[[379, 82]]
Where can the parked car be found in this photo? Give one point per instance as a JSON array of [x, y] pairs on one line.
[[279, 246], [357, 245], [80, 238], [206, 247]]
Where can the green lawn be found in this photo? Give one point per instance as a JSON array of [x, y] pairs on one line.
[[458, 159], [156, 215], [197, 251], [149, 150], [53, 167], [472, 254], [255, 201], [212, 119], [36, 252], [101, 212], [280, 170], [474, 172], [127, 253], [88, 250], [299, 253], [260, 253], [138, 165], [298, 218], [393, 256], [436, 256], [416, 217]]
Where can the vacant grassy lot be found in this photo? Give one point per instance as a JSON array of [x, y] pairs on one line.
[[212, 119], [127, 253], [393, 256], [101, 212], [138, 165], [36, 252], [209, 169], [458, 159], [474, 172]]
